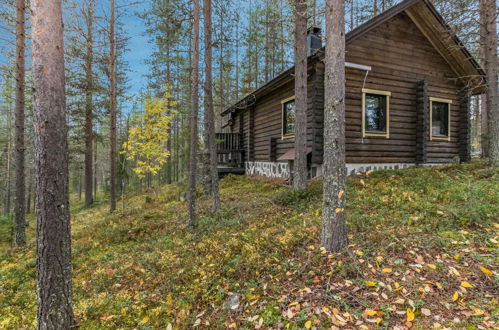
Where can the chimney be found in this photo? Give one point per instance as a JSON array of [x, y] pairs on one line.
[[314, 40]]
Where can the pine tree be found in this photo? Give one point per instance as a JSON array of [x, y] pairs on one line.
[[300, 163], [488, 36], [208, 108], [20, 207], [334, 234], [53, 266], [194, 119]]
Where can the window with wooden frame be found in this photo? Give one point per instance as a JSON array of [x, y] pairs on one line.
[[375, 113], [440, 119], [288, 117]]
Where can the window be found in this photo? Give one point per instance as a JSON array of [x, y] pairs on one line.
[[440, 119], [288, 117], [375, 113]]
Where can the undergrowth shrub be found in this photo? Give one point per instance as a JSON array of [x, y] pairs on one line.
[[300, 199]]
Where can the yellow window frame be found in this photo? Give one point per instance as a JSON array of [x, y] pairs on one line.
[[375, 92]]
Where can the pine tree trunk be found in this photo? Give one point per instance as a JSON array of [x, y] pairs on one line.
[[53, 240], [30, 192], [208, 106], [489, 44], [169, 142], [89, 131], [20, 228], [334, 234], [484, 136], [194, 119], [112, 112], [95, 169], [301, 104]]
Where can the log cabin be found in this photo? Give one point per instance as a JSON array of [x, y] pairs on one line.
[[408, 85]]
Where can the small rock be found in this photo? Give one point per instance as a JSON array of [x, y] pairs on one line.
[[233, 302], [183, 196]]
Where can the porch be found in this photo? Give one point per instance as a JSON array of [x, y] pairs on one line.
[[230, 153]]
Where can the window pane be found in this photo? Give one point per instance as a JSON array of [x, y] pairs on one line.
[[375, 113], [440, 119], [289, 118]]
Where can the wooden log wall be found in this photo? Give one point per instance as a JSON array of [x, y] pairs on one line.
[[423, 123], [401, 57]]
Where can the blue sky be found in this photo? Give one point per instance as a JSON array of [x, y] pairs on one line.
[[139, 49]]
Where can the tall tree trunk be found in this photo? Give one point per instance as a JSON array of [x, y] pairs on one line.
[[375, 7], [194, 119], [301, 104], [8, 149], [53, 240], [20, 207], [112, 112], [30, 192], [169, 142], [488, 13], [95, 168], [208, 106], [89, 131], [334, 234]]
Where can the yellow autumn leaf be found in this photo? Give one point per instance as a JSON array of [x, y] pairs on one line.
[[145, 319], [410, 315], [371, 312], [370, 283], [386, 270], [432, 266], [466, 284], [308, 324], [340, 194], [293, 304], [486, 271], [339, 210], [378, 320], [359, 253], [455, 296], [478, 312]]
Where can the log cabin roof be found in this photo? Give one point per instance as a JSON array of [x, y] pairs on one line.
[[426, 17]]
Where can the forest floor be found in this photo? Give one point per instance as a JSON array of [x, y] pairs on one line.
[[423, 255]]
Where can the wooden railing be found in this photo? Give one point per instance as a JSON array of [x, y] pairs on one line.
[[230, 149]]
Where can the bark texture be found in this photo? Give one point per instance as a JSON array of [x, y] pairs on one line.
[[208, 106], [53, 240], [112, 112], [300, 162], [89, 130], [488, 10], [334, 234], [194, 119], [20, 204]]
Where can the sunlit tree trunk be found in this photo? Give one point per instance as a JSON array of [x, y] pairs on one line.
[[53, 240], [334, 234]]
